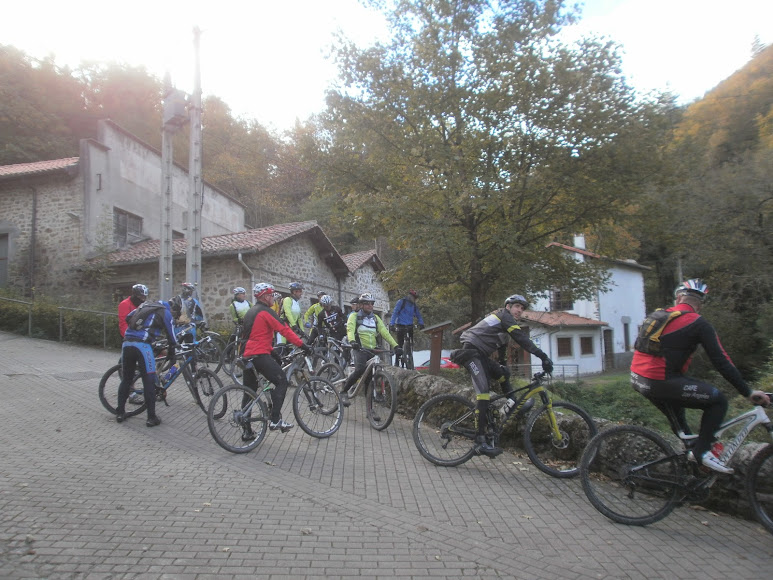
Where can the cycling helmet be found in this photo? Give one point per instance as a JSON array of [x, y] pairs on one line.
[[239, 290], [695, 287], [321, 293], [277, 295], [413, 293], [367, 298], [355, 300], [296, 286], [261, 290], [517, 299], [140, 291], [188, 288], [325, 300]]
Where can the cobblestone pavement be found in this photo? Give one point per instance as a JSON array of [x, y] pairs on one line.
[[83, 497]]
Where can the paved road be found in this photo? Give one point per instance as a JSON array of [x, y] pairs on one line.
[[82, 497]]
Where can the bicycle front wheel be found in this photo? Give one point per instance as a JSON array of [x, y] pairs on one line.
[[206, 384], [380, 400], [211, 351], [444, 430], [108, 392], [317, 407], [330, 372], [631, 475], [408, 354], [237, 419], [228, 359], [558, 454], [759, 486]]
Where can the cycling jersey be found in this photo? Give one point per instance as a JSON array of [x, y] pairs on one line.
[[148, 321], [404, 313], [679, 340], [333, 320], [493, 331], [260, 324], [312, 314], [366, 328], [238, 310]]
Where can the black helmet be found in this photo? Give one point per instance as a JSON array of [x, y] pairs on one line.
[[188, 288], [517, 299], [296, 286], [140, 291]]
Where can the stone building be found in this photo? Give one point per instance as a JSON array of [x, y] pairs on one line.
[[64, 221]]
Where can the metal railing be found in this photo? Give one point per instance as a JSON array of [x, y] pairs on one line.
[[104, 321], [29, 311], [563, 373]]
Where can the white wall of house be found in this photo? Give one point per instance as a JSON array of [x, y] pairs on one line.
[[578, 338]]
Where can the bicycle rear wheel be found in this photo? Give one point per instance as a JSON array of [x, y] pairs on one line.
[[444, 430], [108, 391], [206, 385], [408, 353], [631, 475], [558, 456], [759, 486], [330, 372], [380, 400], [237, 419], [317, 407], [211, 351], [228, 359]]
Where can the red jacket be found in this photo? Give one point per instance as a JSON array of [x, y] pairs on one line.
[[124, 308], [260, 324], [679, 340]]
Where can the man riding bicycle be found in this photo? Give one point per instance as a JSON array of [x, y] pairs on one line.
[[660, 377], [362, 329], [478, 344], [403, 316]]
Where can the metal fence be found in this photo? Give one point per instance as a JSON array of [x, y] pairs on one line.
[[104, 316], [564, 373], [29, 311]]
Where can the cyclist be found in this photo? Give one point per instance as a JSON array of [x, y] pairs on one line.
[[185, 307], [290, 312], [661, 377], [144, 326], [311, 317], [479, 342], [277, 306], [355, 302], [239, 305], [403, 316], [362, 329], [260, 325], [138, 296], [331, 318]]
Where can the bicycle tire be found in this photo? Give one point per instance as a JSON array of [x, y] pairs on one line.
[[444, 430], [317, 408], [558, 458], [108, 392], [618, 484], [380, 400], [206, 384], [228, 360], [227, 422], [408, 353], [759, 486], [330, 372], [211, 352]]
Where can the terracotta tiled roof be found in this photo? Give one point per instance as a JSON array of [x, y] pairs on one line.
[[249, 241], [558, 319], [357, 260], [38, 167], [584, 252]]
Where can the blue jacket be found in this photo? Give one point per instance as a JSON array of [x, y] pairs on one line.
[[404, 313], [153, 318]]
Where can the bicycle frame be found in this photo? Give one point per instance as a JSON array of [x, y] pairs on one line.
[[531, 392], [752, 418], [373, 365]]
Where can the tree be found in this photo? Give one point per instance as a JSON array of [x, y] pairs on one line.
[[475, 137]]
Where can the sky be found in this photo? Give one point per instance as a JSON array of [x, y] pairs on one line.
[[266, 59]]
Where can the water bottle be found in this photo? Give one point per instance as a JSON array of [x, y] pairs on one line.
[[509, 404], [717, 449], [171, 372]]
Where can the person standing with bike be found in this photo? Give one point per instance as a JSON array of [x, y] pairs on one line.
[[403, 316], [290, 313], [660, 376], [331, 319], [239, 306], [478, 344], [362, 329], [144, 327], [138, 296], [260, 325]]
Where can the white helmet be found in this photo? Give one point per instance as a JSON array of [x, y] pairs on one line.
[[325, 300], [367, 297], [261, 289]]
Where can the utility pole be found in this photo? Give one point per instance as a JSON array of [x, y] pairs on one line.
[[193, 255], [175, 117]]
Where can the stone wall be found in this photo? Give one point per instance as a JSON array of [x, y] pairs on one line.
[[57, 232]]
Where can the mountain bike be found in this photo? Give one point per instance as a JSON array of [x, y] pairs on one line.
[[202, 382], [633, 476], [231, 352], [380, 389], [554, 436], [238, 416], [406, 360]]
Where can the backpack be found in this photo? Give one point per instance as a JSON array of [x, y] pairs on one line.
[[648, 340], [142, 317]]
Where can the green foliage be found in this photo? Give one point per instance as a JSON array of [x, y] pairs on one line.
[[475, 138]]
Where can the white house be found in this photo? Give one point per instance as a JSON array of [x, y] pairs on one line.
[[590, 336]]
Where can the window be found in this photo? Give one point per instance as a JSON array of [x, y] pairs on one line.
[[564, 345], [586, 345], [127, 228], [561, 300]]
